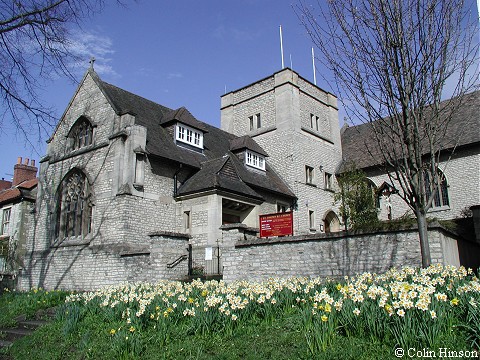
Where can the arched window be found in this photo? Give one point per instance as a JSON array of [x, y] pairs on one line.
[[440, 197], [81, 133], [74, 206]]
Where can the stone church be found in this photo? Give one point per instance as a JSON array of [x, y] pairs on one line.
[[128, 187]]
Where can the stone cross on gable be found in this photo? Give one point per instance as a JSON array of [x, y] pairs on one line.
[[92, 60]]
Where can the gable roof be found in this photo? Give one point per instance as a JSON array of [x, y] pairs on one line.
[[246, 142], [24, 190], [359, 145], [229, 173], [216, 142]]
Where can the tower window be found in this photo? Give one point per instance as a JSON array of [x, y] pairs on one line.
[[254, 122], [309, 175], [328, 181]]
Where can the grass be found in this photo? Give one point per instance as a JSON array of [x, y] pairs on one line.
[[365, 317], [14, 304]]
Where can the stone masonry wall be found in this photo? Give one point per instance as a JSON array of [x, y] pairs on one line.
[[463, 176], [91, 267], [332, 255]]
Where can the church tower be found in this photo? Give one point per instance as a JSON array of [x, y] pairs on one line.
[[296, 123]]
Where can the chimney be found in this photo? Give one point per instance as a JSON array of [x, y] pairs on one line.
[[24, 172]]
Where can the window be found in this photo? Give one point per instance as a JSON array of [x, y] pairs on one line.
[[255, 122], [309, 175], [314, 121], [441, 194], [81, 134], [311, 219], [281, 208], [6, 221], [186, 219], [189, 136], [328, 181], [74, 206], [255, 160]]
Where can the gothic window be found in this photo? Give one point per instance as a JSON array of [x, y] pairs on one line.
[[440, 198], [81, 134], [74, 207]]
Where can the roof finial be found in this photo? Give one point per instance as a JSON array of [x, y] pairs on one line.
[[92, 60]]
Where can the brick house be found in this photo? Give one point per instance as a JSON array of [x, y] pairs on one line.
[[127, 185], [17, 202]]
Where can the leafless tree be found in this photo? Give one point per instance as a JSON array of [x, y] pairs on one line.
[[392, 61], [35, 45]]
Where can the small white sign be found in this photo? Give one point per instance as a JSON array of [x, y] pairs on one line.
[[208, 253]]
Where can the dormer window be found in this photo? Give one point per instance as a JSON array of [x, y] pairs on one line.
[[188, 135], [254, 160]]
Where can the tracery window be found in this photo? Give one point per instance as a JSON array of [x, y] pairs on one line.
[[81, 134], [440, 198], [74, 207]]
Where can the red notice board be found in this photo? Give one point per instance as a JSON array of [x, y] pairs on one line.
[[279, 224]]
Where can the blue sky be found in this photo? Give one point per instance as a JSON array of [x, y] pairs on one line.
[[178, 53]]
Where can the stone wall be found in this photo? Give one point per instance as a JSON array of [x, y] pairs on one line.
[[335, 255], [88, 267], [462, 172]]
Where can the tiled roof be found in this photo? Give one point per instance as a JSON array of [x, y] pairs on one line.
[[359, 145], [22, 190], [217, 144]]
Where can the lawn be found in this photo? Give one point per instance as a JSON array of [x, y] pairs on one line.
[[368, 316]]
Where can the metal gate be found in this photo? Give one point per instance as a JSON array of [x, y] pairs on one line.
[[204, 261]]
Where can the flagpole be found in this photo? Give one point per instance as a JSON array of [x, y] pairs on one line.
[[281, 46]]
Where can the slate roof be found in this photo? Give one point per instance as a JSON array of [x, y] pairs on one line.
[[359, 144], [246, 142], [217, 144], [24, 190], [229, 173]]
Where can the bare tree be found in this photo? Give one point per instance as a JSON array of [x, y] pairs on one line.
[[35, 44], [391, 61]]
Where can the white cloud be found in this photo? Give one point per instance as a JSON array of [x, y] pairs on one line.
[[85, 45]]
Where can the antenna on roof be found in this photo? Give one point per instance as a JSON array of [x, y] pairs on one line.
[[313, 65], [281, 46]]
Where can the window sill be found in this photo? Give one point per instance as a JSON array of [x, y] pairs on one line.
[[72, 241], [77, 152], [329, 190], [438, 209], [311, 184]]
